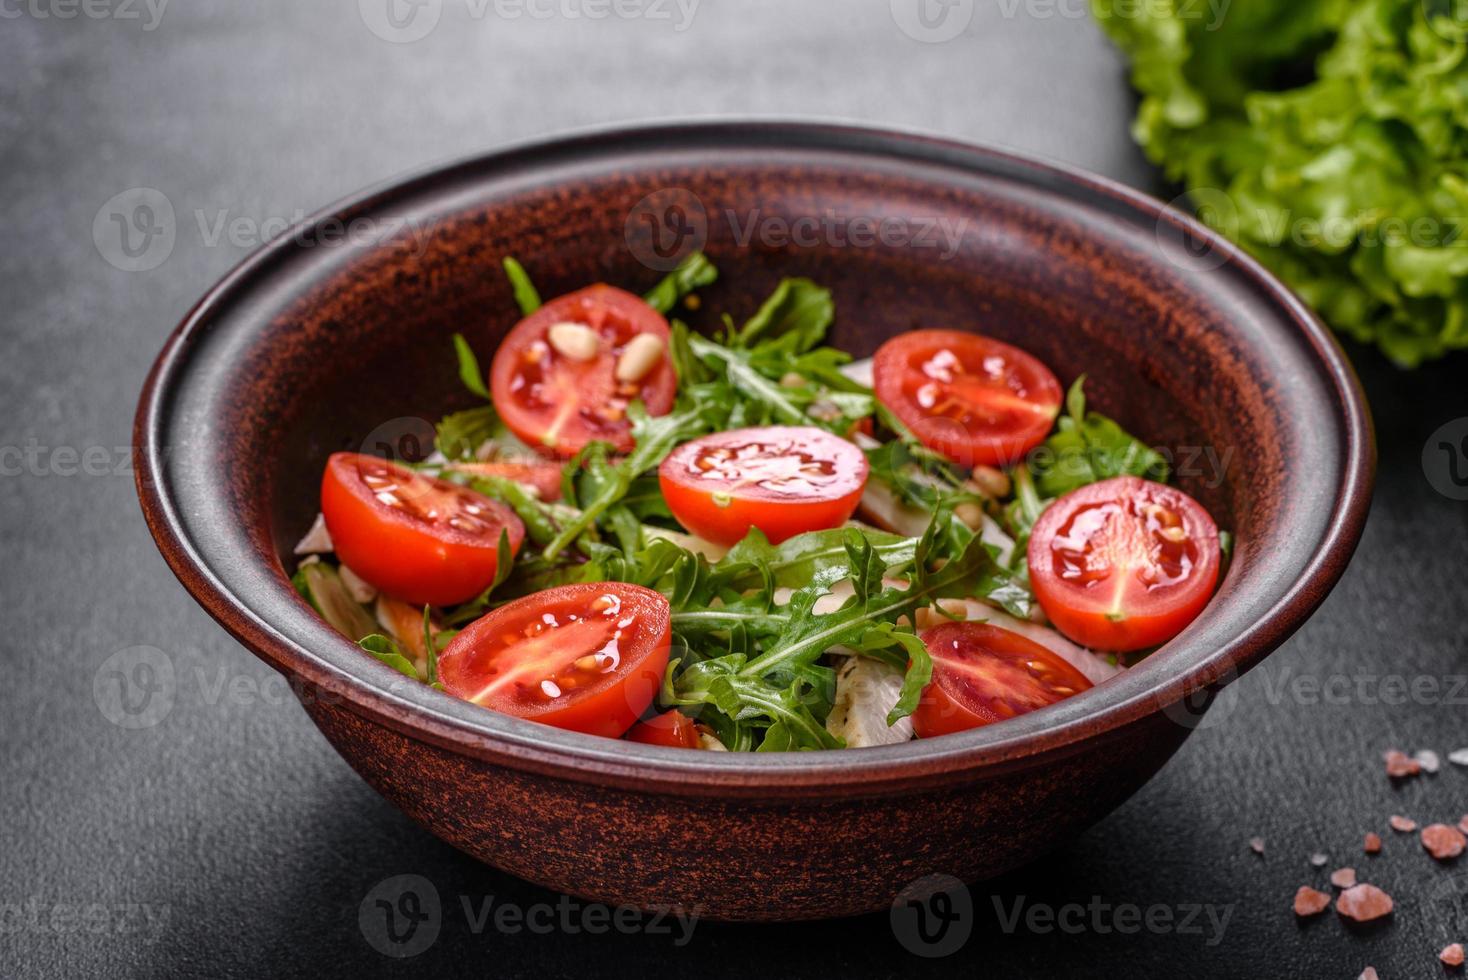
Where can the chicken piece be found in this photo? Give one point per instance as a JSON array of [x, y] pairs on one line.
[[866, 690]]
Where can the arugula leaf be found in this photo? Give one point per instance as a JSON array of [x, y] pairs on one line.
[[797, 315], [469, 372], [430, 645], [461, 433], [694, 272], [768, 394], [525, 295], [1089, 447], [386, 649], [816, 558], [655, 437], [919, 476]]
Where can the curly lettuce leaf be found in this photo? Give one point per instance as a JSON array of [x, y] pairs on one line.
[[1329, 138]]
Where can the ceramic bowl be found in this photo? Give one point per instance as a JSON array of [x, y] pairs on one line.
[[337, 336]]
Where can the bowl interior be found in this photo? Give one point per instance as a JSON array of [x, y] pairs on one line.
[[339, 338]]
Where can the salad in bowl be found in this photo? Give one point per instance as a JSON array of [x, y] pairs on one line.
[[740, 539]]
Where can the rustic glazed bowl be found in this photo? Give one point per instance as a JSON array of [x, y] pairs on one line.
[[319, 341]]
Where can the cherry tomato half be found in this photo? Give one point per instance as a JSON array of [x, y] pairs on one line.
[[1123, 564], [671, 728], [558, 399], [983, 674], [977, 401], [585, 657], [417, 538], [784, 480]]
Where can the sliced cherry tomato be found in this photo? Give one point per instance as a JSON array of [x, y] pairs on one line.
[[585, 657], [1123, 564], [557, 401], [417, 538], [783, 480], [544, 477], [976, 400], [983, 674], [671, 728]]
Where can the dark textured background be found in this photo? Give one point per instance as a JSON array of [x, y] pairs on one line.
[[253, 845]]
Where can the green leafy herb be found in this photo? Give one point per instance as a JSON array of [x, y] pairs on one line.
[[693, 273], [461, 433], [607, 482], [469, 372], [797, 315], [430, 644], [386, 649], [1328, 138], [525, 295], [1088, 448]]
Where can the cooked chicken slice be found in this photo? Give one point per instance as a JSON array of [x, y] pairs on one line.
[[866, 690]]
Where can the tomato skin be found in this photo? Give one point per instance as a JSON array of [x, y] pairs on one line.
[[782, 503], [983, 674], [578, 402], [503, 660], [672, 728], [544, 477], [1114, 608], [1000, 401], [423, 561]]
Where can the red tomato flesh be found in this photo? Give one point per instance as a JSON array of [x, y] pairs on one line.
[[784, 480], [586, 657], [976, 400], [1123, 564], [417, 538], [983, 674], [556, 403], [673, 729]]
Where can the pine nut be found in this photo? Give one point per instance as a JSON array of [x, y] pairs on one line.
[[986, 481], [574, 340], [971, 514], [639, 357]]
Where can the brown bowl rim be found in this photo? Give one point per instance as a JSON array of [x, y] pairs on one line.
[[883, 771]]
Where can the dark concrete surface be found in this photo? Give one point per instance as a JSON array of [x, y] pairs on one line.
[[227, 839]]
